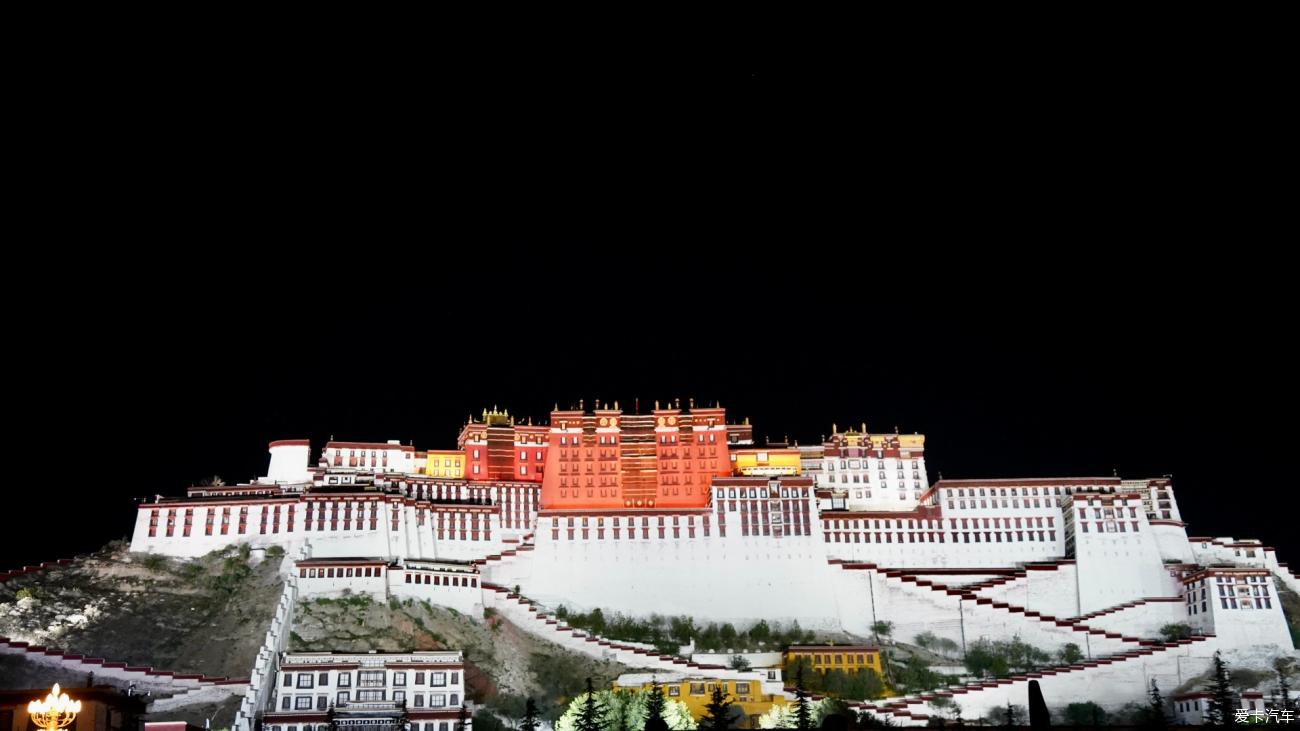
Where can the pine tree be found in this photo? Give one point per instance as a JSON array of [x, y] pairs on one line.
[[1011, 716], [654, 702], [591, 714], [803, 714], [1223, 702], [530, 717], [1284, 690], [462, 719], [717, 715], [1156, 717]]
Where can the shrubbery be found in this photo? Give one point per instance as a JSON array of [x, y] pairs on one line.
[[668, 633], [1000, 658]]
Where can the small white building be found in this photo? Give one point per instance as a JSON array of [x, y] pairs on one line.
[[1190, 709], [1240, 606], [372, 457], [407, 691]]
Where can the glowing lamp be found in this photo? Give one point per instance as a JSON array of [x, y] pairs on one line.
[[55, 712]]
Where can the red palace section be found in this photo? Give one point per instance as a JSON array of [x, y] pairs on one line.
[[607, 459]]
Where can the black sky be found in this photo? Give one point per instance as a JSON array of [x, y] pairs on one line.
[[1055, 272]]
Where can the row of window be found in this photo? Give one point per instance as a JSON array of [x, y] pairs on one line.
[[340, 572], [413, 726], [321, 702], [1109, 526], [1015, 503], [854, 464], [761, 492], [368, 678], [1013, 491], [837, 659], [938, 537], [439, 580]]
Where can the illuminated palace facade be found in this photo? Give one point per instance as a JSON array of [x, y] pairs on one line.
[[676, 511]]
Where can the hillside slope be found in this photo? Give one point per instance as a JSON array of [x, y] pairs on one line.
[[202, 616], [506, 665]]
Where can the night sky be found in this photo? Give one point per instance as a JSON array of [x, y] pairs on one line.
[[1050, 272], [1019, 377]]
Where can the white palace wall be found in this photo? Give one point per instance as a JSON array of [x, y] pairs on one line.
[[738, 579], [377, 525]]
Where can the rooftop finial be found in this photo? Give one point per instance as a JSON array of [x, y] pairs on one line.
[[656, 404], [616, 404], [864, 427], [835, 429], [691, 401]]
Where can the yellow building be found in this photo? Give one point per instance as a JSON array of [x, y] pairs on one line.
[[449, 463], [766, 462], [849, 658], [695, 693]]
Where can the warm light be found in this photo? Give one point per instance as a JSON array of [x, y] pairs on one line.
[[55, 712]]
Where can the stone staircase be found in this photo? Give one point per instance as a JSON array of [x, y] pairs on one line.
[[533, 619], [162, 682], [1060, 684], [975, 606]]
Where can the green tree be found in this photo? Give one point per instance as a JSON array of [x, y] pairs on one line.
[[717, 714], [882, 629], [485, 720], [1283, 667], [1012, 715], [1155, 716], [1223, 702], [462, 717], [739, 662], [591, 713], [926, 639], [596, 621], [727, 634], [1178, 631], [803, 715], [945, 646], [529, 722], [945, 710], [1070, 653], [1084, 714], [916, 676], [681, 629], [654, 702]]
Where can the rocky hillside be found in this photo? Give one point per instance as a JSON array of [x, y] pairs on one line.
[[208, 615]]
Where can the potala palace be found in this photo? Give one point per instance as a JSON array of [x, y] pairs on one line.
[[676, 511]]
